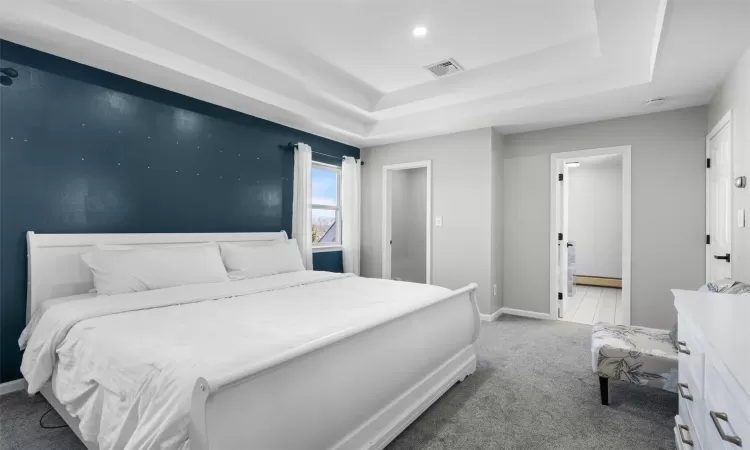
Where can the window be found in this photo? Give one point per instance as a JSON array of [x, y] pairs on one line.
[[326, 205]]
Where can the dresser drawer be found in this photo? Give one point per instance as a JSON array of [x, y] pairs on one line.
[[683, 437], [689, 432], [725, 411], [691, 414], [691, 358]]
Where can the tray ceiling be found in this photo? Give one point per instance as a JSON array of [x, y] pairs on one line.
[[352, 71]]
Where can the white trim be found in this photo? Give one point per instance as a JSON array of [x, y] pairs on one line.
[[661, 11], [625, 151], [326, 165], [336, 207], [327, 248], [719, 125], [13, 386], [385, 248], [524, 313], [491, 317], [724, 121]]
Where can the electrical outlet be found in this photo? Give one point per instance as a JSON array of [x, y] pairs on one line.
[[439, 221]]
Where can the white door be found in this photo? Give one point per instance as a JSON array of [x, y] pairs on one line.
[[563, 299], [718, 258]]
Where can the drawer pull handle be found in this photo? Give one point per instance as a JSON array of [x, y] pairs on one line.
[[681, 344], [715, 417], [680, 387], [682, 436]]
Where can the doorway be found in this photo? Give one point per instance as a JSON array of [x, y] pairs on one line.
[[407, 222], [719, 183], [590, 239]]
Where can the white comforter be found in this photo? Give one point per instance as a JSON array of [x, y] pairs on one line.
[[126, 364]]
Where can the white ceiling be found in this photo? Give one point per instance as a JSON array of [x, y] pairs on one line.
[[371, 40], [351, 70]]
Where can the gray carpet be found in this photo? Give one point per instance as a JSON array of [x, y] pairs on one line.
[[533, 389]]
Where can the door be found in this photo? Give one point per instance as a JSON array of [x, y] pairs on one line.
[[563, 289], [406, 245], [388, 231], [408, 223], [719, 178]]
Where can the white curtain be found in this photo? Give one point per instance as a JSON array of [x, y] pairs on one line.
[[351, 182], [301, 202]]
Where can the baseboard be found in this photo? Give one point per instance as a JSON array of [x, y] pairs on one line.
[[491, 317], [13, 386], [524, 313]]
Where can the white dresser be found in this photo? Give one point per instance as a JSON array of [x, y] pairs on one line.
[[714, 371]]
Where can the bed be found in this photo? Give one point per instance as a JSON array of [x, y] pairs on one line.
[[309, 360]]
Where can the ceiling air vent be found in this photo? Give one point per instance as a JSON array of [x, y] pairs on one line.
[[445, 68], [656, 101]]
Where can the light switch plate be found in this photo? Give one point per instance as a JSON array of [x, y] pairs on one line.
[[741, 218], [439, 221]]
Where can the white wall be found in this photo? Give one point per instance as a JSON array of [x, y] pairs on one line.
[[408, 197], [668, 208], [461, 194], [734, 94], [595, 215]]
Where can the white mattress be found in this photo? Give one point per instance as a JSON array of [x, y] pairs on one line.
[[125, 365]]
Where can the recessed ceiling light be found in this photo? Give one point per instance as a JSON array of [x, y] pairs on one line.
[[419, 32], [573, 164]]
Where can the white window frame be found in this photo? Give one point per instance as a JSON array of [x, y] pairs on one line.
[[317, 248]]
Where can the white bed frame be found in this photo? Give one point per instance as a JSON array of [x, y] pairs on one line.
[[402, 365]]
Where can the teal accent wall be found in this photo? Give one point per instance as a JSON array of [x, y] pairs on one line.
[[86, 151], [330, 260]]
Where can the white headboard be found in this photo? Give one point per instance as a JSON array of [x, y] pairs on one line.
[[57, 270]]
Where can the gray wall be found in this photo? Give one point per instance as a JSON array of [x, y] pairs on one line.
[[668, 208], [408, 194], [526, 234], [595, 216], [461, 192], [497, 164], [735, 95]]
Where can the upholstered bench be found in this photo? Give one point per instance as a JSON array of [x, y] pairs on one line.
[[638, 355]]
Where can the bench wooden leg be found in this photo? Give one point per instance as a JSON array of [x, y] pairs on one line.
[[604, 388]]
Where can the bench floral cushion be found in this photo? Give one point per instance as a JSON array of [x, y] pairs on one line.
[[638, 355]]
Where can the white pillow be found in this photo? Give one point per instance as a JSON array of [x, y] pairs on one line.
[[244, 262], [122, 271]]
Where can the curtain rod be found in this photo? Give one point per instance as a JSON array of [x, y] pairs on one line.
[[294, 146]]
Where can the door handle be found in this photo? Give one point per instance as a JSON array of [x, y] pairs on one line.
[[569, 244], [682, 436], [715, 417], [725, 257], [681, 387]]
